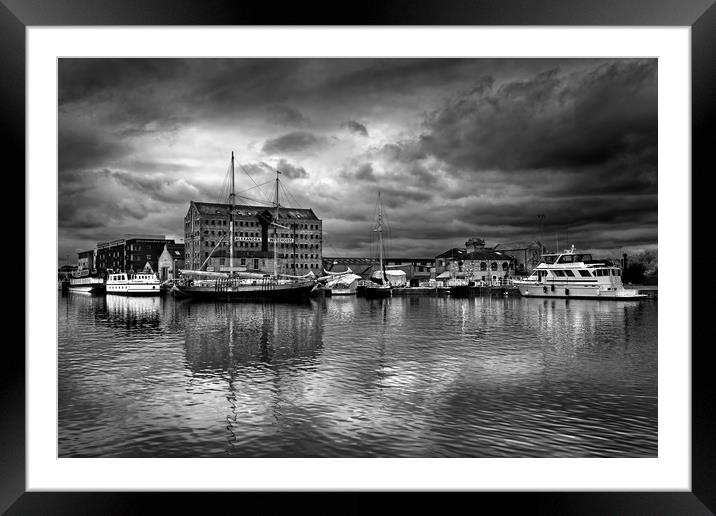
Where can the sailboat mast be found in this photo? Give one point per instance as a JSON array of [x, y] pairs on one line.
[[275, 239], [232, 200], [380, 234]]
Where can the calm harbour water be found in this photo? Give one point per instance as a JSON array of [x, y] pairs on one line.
[[349, 377]]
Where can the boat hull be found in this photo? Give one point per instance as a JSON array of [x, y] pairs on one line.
[[248, 292], [133, 290], [377, 292], [340, 292], [87, 289], [562, 291]]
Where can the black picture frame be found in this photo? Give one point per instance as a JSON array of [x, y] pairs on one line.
[[700, 15]]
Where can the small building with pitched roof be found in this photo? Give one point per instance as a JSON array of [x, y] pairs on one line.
[[170, 261], [475, 263]]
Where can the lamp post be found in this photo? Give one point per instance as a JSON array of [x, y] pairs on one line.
[[541, 220]]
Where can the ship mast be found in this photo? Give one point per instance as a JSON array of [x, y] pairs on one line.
[[232, 200], [275, 236], [379, 229]]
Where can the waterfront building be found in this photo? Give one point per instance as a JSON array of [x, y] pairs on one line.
[[475, 263], [170, 261], [130, 253], [527, 255], [206, 239], [85, 259], [443, 260]]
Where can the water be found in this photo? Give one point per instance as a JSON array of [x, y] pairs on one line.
[[349, 377]]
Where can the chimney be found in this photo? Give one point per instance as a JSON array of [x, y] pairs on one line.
[[475, 244], [624, 261]]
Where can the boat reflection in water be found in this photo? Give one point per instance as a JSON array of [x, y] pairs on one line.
[[133, 311]]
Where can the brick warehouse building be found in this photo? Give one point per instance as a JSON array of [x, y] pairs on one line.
[[130, 253], [475, 263], [300, 242]]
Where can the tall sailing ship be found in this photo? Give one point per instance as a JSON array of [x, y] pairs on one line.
[[238, 286], [379, 286]]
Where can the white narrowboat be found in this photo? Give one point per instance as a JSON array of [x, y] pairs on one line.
[[139, 284]]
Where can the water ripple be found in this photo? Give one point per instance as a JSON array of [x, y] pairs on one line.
[[349, 377]]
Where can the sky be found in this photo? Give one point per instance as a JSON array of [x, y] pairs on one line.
[[457, 148]]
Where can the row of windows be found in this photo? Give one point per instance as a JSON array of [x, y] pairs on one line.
[[493, 266], [237, 244], [236, 233], [583, 273], [252, 223], [212, 243], [606, 272], [310, 236], [225, 261]]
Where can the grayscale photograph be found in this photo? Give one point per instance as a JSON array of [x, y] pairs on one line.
[[357, 257]]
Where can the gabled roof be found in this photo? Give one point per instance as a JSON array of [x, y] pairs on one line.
[[176, 250], [455, 252], [511, 246], [244, 210], [486, 254], [348, 260]]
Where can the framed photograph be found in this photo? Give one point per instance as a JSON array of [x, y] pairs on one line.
[[414, 250]]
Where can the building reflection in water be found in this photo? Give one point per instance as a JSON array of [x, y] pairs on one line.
[[224, 337], [261, 355]]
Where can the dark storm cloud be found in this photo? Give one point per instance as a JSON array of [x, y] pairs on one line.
[[85, 201], [159, 187], [285, 115], [371, 77], [355, 127], [363, 172], [83, 79], [457, 147], [80, 148], [297, 141], [551, 120], [291, 171]]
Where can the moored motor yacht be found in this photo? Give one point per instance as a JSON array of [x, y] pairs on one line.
[[575, 275]]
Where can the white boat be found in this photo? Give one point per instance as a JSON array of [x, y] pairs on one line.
[[340, 283], [139, 284], [575, 275], [86, 281]]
